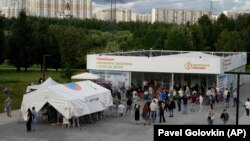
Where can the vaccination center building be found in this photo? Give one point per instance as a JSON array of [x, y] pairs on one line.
[[168, 67]]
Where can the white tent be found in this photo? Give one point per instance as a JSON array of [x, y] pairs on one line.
[[71, 99], [86, 76], [46, 83]]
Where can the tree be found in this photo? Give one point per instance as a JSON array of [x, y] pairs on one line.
[[208, 32], [179, 38], [2, 39], [124, 39], [71, 42], [54, 49], [40, 40], [230, 42], [242, 22], [20, 48], [224, 22], [198, 38]]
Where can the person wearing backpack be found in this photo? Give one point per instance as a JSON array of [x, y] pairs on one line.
[[171, 107], [224, 116]]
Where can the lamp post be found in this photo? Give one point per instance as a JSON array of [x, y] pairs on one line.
[[44, 63]]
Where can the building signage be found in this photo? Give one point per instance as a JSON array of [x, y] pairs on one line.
[[162, 64], [234, 61], [110, 63], [189, 65]]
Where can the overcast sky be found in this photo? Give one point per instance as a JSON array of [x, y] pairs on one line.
[[145, 6]]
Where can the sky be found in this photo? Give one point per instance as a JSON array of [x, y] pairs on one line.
[[145, 6]]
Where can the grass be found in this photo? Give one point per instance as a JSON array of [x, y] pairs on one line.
[[17, 82], [248, 68]]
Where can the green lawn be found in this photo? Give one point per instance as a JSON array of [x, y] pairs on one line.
[[248, 68], [18, 81]]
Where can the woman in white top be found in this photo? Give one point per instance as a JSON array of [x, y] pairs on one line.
[[201, 102], [247, 106]]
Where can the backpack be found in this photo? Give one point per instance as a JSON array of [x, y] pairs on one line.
[[228, 95], [224, 117]]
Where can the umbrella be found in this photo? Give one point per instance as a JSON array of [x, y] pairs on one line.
[[85, 75]]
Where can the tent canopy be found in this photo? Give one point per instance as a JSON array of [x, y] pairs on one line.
[[46, 83], [71, 99], [86, 76]]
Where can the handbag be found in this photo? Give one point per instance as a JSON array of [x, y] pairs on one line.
[[5, 109]]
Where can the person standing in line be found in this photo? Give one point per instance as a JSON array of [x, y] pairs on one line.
[[185, 103], [121, 109], [247, 106], [210, 116], [201, 102], [231, 89], [34, 119], [171, 107], [129, 106], [180, 95], [145, 112], [8, 104], [226, 96], [224, 116], [40, 81], [137, 113], [152, 107], [193, 102], [29, 120], [235, 98], [161, 111]]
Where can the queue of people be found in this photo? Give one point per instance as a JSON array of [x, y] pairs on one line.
[[157, 100]]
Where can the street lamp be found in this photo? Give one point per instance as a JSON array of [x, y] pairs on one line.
[[44, 63]]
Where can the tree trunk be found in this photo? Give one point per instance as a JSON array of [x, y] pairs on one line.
[[18, 69]]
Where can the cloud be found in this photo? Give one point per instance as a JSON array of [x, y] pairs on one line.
[[145, 6], [98, 6], [245, 5]]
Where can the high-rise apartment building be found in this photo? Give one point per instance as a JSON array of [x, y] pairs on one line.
[[120, 14], [177, 16], [141, 17], [60, 8], [235, 14], [50, 8]]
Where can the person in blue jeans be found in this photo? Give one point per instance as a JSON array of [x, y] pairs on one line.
[[185, 102], [210, 116], [34, 119], [153, 109]]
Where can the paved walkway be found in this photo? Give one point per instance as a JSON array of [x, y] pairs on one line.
[[119, 128]]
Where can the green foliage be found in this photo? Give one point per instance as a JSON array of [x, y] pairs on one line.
[[17, 82], [67, 72], [72, 46], [27, 39], [198, 38], [20, 47], [242, 22], [2, 39], [224, 23], [179, 38], [40, 40], [209, 31], [230, 42]]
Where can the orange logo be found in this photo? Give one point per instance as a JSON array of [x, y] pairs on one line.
[[196, 66], [188, 65]]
